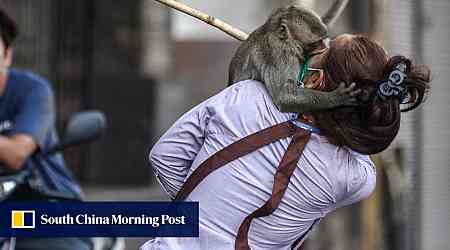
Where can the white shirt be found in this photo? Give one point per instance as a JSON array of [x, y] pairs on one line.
[[327, 176]]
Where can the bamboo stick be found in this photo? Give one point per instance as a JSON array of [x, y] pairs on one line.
[[230, 30]]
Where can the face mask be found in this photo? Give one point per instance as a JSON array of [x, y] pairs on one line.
[[305, 70]]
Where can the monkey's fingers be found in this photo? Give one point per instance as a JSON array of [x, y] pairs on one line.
[[353, 101], [356, 93], [341, 86], [342, 89], [350, 88]]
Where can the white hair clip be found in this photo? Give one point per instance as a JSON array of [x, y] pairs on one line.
[[395, 85]]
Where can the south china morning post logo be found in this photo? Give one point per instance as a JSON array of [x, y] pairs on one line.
[[114, 219], [99, 219], [23, 219]]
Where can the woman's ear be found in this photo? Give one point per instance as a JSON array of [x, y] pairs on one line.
[[314, 80]]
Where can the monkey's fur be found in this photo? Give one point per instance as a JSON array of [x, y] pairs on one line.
[[275, 54]]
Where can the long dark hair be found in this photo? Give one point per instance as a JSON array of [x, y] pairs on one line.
[[370, 127]]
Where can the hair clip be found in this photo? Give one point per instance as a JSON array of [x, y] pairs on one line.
[[395, 85]]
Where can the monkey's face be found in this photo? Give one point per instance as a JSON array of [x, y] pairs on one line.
[[279, 47]]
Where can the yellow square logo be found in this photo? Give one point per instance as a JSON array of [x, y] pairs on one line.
[[22, 219]]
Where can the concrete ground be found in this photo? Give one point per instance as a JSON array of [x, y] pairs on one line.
[[111, 193]]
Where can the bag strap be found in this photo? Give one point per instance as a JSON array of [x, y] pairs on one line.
[[234, 151], [245, 146], [281, 182]]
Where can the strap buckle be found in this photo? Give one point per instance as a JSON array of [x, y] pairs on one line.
[[304, 126]]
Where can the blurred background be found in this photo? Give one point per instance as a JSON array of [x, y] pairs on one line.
[[144, 65]]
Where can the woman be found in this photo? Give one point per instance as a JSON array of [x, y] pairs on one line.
[[333, 171]]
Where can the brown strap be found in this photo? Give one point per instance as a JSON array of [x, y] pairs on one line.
[[281, 181], [235, 150]]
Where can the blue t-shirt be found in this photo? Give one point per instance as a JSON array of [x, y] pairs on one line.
[[27, 107]]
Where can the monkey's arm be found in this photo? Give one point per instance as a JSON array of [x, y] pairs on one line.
[[303, 100]]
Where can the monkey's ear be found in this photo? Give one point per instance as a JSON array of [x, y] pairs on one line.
[[283, 31]]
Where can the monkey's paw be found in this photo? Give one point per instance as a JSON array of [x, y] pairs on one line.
[[346, 96]]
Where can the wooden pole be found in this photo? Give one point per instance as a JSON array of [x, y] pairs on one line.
[[230, 30]]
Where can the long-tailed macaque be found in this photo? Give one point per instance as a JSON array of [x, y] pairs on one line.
[[275, 54]]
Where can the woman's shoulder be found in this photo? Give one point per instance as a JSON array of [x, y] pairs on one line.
[[252, 94], [244, 107], [356, 178], [247, 90], [351, 175]]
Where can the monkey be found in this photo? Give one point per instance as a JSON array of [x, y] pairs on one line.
[[276, 52]]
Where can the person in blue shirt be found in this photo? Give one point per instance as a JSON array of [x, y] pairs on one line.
[[27, 130]]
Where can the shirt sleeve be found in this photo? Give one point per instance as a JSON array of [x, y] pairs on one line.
[[357, 181], [172, 156], [36, 113]]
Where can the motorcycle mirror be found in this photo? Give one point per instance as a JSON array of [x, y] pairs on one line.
[[82, 127]]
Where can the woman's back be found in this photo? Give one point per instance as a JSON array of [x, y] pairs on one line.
[[327, 176]]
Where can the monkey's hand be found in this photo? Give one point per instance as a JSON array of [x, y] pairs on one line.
[[344, 96], [304, 100]]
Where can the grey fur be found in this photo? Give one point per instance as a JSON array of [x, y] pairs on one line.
[[275, 53]]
